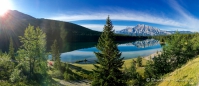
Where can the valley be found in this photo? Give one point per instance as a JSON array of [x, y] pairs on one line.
[[56, 52]]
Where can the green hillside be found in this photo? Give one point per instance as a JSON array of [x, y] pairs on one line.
[[14, 24], [187, 75]]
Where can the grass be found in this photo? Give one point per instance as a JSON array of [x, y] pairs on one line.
[[127, 63], [84, 70], [187, 75]]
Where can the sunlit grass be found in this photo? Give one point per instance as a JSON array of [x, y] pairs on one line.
[[187, 75], [127, 63], [88, 67]]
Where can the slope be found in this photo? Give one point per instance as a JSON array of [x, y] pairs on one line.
[[14, 23], [187, 75]]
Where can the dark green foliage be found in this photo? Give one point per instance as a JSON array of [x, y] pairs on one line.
[[179, 49], [55, 55], [139, 61], [149, 72], [108, 72], [132, 70], [62, 31], [57, 74], [32, 54], [68, 74], [1, 53], [132, 76], [6, 66], [11, 49]]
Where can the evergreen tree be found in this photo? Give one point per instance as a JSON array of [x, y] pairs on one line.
[[150, 71], [55, 55], [139, 61], [11, 50], [132, 70], [33, 49], [107, 70], [1, 53]]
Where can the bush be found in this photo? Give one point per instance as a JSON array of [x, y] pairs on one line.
[[139, 61], [68, 77], [57, 74], [16, 76]]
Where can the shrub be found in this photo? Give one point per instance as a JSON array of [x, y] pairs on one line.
[[57, 74]]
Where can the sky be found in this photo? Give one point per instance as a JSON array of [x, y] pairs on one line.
[[181, 15]]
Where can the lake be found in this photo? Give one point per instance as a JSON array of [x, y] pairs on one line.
[[129, 50]]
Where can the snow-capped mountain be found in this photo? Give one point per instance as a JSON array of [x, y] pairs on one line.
[[145, 30]]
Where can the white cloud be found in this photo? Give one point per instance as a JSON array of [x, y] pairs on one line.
[[119, 15], [99, 27], [188, 21]]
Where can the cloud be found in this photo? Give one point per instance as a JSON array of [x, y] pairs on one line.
[[99, 27], [120, 14], [185, 20], [188, 21]]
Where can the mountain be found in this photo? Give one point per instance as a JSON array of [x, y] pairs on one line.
[[14, 23], [145, 30]]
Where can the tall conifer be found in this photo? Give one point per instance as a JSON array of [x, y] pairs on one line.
[[11, 49], [55, 54], [107, 70]]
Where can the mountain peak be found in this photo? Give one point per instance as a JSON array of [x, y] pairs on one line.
[[143, 30], [18, 15]]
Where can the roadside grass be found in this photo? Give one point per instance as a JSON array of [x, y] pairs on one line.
[[187, 75]]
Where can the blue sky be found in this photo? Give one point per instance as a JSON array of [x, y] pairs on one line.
[[163, 14]]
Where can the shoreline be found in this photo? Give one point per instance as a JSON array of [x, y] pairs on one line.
[[149, 57]]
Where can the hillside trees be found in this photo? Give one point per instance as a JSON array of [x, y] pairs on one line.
[[6, 66], [107, 70], [33, 53], [55, 55], [179, 49], [139, 61], [132, 76], [11, 49]]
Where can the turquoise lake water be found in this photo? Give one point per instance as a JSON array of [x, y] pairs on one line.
[[129, 50]]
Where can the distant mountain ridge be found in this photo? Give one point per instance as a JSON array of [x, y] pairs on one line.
[[14, 23], [145, 30]]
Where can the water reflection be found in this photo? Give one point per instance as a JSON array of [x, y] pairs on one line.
[[144, 43], [129, 50]]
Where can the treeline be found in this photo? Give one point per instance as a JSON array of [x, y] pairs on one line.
[[179, 49], [63, 32], [29, 66]]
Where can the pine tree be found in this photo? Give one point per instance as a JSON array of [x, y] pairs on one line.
[[55, 55], [132, 70], [139, 61], [107, 70], [34, 47], [11, 50]]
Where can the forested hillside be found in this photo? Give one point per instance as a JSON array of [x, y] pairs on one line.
[[14, 23]]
